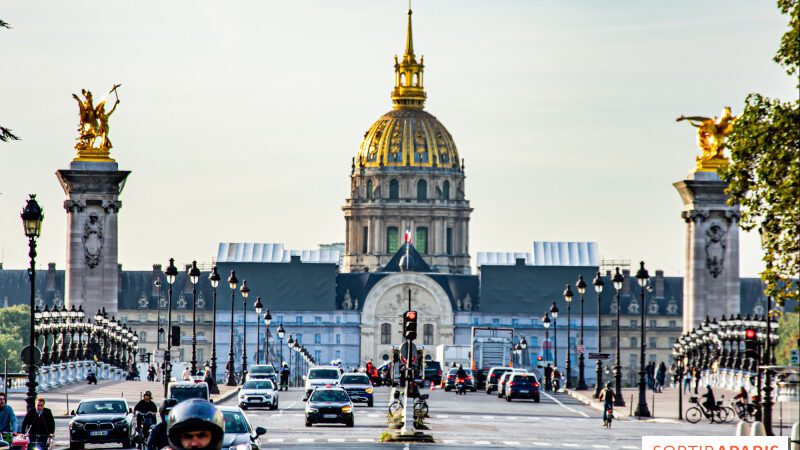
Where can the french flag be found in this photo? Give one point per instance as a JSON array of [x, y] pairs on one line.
[[408, 236]]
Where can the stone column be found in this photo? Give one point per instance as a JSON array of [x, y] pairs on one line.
[[711, 283], [92, 204]]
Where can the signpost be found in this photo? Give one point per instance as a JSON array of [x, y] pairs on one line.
[[581, 349], [25, 355], [794, 358], [404, 353]]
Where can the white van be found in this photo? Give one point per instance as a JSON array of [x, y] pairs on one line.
[[321, 376]]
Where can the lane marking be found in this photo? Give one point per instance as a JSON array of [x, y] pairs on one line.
[[442, 416], [600, 446], [305, 440], [565, 406], [567, 444], [335, 440], [466, 417], [511, 443], [275, 440], [449, 441], [630, 446], [280, 411], [366, 440], [543, 444], [489, 417], [482, 443]]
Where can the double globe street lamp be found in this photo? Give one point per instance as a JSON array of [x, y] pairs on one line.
[[32, 217], [214, 278], [581, 285], [618, 281], [245, 292], [641, 408], [568, 298], [258, 306], [194, 277], [267, 321], [171, 273], [598, 287]]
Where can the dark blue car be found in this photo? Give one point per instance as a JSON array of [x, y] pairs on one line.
[[523, 385]]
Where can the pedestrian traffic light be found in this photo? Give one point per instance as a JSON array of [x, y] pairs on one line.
[[410, 325], [750, 343]]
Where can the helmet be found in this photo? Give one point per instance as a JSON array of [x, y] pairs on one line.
[[460, 366], [147, 393], [195, 415], [708, 386], [166, 407], [608, 385]]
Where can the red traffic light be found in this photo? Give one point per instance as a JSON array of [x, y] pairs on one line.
[[411, 315], [750, 334], [538, 358]]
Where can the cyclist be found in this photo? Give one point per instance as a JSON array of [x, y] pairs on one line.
[[39, 423], [158, 434], [195, 425], [710, 402], [145, 405], [608, 396], [741, 398], [8, 420]]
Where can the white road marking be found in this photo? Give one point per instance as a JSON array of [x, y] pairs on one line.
[[466, 417], [630, 446], [489, 417], [449, 441], [372, 415], [366, 440], [276, 440], [511, 443], [565, 406], [544, 444], [335, 440], [280, 411], [305, 440], [482, 443], [442, 416], [567, 444], [600, 446]]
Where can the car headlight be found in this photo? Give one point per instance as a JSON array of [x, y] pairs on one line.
[[368, 390], [77, 425], [241, 447], [309, 409], [347, 409]]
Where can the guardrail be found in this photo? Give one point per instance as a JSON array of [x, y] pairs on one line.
[[55, 375]]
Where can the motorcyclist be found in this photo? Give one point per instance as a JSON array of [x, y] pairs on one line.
[[461, 373], [8, 420], [548, 377], [710, 402], [607, 396], [285, 371], [556, 379], [195, 425], [145, 405], [39, 423], [158, 434]]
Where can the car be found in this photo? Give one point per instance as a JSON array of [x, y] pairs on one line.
[[494, 375], [450, 381], [501, 383], [433, 372], [329, 405], [522, 385], [184, 390], [358, 386], [319, 376], [262, 372], [258, 393], [102, 421], [239, 433]]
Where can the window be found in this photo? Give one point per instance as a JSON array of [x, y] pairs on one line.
[[633, 361], [652, 324], [200, 355], [162, 317], [279, 319], [474, 320], [427, 334], [317, 320], [614, 323], [299, 339], [386, 333], [181, 318], [369, 189], [613, 341], [142, 336], [633, 341], [653, 342], [298, 319], [446, 190], [572, 341], [123, 318], [364, 239], [495, 322], [338, 354], [338, 339], [422, 240], [394, 190], [422, 190], [449, 242], [391, 240], [652, 358], [317, 339], [672, 324], [143, 318], [338, 319], [317, 355], [534, 341], [634, 323], [515, 323]]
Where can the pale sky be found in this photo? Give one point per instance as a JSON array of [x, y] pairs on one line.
[[239, 119]]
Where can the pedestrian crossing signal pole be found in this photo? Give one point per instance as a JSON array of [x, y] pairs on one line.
[[409, 333]]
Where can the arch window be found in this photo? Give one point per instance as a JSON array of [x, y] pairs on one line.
[[427, 334], [402, 79], [391, 240], [422, 190], [386, 333], [446, 190], [369, 189], [416, 79], [422, 240], [394, 190]]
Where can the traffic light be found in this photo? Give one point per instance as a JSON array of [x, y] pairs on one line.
[[410, 325], [176, 336], [750, 344], [395, 355]]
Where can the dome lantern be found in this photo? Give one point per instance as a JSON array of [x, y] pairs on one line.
[[408, 90]]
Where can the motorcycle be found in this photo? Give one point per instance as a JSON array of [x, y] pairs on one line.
[[461, 386]]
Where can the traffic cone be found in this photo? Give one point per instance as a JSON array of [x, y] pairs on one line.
[[433, 387]]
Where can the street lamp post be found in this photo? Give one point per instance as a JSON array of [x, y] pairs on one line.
[[618, 280], [281, 334], [171, 272], [641, 408], [554, 315], [523, 345], [546, 323], [32, 217], [267, 321], [258, 306], [194, 277], [232, 282], [568, 298], [581, 285], [245, 292], [214, 278], [289, 345], [598, 287]]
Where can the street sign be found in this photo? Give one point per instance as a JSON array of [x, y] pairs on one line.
[[25, 356], [581, 349], [599, 355], [404, 353], [794, 358]]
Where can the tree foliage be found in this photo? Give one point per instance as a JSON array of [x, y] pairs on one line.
[[14, 332], [788, 335], [5, 133], [764, 174]]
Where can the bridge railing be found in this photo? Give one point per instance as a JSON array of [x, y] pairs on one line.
[[55, 375]]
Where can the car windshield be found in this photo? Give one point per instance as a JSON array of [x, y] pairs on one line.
[[185, 393], [330, 396], [261, 370], [102, 407], [354, 379], [327, 374], [260, 384], [500, 372], [525, 378], [432, 365], [235, 423]]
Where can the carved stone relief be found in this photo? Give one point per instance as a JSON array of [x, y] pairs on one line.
[[672, 306], [143, 302], [633, 306], [652, 307], [347, 303], [201, 300], [715, 247], [93, 240], [181, 301]]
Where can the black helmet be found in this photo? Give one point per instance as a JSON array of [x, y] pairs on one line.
[[166, 407], [608, 385], [195, 415]]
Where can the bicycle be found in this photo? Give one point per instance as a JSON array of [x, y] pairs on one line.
[[744, 411], [608, 417], [695, 413], [420, 405], [144, 422]]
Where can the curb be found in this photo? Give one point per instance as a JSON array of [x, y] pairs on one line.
[[594, 404], [230, 394]]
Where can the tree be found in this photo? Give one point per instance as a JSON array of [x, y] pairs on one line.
[[764, 173], [5, 133], [14, 329], [789, 334]]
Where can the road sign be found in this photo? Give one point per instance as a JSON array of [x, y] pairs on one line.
[[599, 355], [25, 356], [794, 358], [581, 349], [404, 353]]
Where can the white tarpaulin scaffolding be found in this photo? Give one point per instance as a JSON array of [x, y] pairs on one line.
[[546, 254], [271, 253]]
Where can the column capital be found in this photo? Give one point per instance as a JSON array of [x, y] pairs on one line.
[[74, 206]]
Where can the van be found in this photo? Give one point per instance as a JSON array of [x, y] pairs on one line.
[[321, 376], [185, 390]]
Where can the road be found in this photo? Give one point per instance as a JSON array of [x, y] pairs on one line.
[[475, 420]]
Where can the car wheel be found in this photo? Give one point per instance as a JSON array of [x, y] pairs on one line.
[[499, 394], [308, 423], [75, 445], [370, 403], [127, 443], [350, 424], [536, 399]]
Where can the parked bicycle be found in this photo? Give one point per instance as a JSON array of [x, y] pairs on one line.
[[695, 413], [420, 404]]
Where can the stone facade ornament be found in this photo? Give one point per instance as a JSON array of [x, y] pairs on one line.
[[181, 301], [652, 307], [93, 240], [612, 307], [347, 303], [38, 299], [162, 301], [458, 304], [5, 302], [758, 309], [633, 306], [468, 303], [201, 300], [715, 248], [143, 303], [672, 306], [355, 305]]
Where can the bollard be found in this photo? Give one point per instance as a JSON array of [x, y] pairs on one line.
[[741, 429], [758, 429], [67, 404], [796, 436]]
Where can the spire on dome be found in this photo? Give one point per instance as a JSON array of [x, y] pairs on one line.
[[409, 54], [408, 91]]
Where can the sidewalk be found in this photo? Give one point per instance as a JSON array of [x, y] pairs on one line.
[[132, 391], [664, 406]]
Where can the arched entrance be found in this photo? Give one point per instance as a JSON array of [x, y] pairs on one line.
[[381, 315]]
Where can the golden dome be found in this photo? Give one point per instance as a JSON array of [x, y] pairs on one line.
[[408, 136]]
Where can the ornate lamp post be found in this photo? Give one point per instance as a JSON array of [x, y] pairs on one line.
[[281, 334], [568, 298], [618, 280], [82, 326], [214, 278], [194, 277], [290, 345], [554, 315], [45, 333], [581, 285], [546, 324], [258, 306], [245, 292], [32, 217], [598, 370], [523, 345], [171, 272], [64, 353], [267, 321], [73, 328], [641, 408], [157, 284], [232, 282]]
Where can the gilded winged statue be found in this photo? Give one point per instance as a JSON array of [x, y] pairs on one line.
[[94, 121], [711, 133]]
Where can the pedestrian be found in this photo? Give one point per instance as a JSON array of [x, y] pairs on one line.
[[687, 381], [187, 374], [696, 376], [661, 375]]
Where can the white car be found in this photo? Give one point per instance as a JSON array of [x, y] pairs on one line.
[[258, 393], [321, 376]]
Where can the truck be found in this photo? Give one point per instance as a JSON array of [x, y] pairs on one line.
[[491, 347], [448, 354]]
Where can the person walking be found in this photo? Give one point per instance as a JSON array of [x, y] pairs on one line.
[[661, 376], [687, 381]]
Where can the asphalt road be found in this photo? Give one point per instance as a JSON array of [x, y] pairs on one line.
[[475, 420]]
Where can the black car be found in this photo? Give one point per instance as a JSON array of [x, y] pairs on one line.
[[329, 405], [450, 381], [358, 387], [239, 434], [522, 385], [433, 372], [494, 376], [101, 421]]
